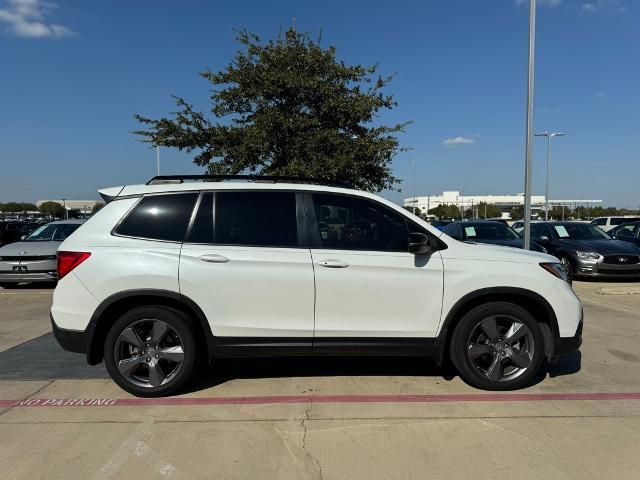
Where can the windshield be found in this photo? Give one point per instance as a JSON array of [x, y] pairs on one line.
[[490, 231], [580, 231], [52, 233]]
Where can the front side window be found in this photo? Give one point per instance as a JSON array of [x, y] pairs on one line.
[[599, 222], [490, 231], [351, 223], [160, 217]]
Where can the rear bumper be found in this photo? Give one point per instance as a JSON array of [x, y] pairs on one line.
[[71, 340], [28, 277]]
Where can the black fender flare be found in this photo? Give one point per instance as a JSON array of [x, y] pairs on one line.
[[494, 294], [175, 297]]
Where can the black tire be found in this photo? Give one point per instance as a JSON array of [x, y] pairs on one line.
[[180, 323], [566, 261], [8, 285], [472, 371]]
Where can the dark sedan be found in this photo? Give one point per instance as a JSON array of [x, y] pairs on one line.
[[588, 251], [627, 232], [486, 231]]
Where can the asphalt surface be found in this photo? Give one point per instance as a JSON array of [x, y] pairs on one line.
[[322, 418]]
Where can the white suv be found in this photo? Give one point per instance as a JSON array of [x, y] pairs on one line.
[[170, 273]]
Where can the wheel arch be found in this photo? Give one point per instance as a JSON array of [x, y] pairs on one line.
[[529, 300], [115, 305]]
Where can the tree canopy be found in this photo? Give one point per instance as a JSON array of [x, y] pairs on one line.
[[288, 107]]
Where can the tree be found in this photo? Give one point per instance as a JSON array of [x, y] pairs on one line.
[[288, 107], [50, 208], [557, 213], [445, 211], [97, 206], [18, 207], [517, 212], [488, 210], [414, 210]]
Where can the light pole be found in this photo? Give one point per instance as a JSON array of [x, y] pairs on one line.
[[529, 144], [546, 190], [158, 160]]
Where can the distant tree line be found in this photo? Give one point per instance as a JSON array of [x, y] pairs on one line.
[[490, 210], [17, 207]]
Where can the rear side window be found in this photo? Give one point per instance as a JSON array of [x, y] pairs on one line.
[[256, 219], [599, 221], [160, 217]]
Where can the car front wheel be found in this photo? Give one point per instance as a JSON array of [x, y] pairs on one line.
[[497, 346], [151, 351]]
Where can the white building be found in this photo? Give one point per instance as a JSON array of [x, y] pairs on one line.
[[504, 202], [84, 207]]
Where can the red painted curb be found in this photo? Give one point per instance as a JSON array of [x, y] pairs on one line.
[[280, 399]]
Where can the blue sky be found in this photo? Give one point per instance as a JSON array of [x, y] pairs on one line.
[[73, 73]]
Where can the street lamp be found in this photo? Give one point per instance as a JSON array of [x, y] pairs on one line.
[[529, 128], [549, 136]]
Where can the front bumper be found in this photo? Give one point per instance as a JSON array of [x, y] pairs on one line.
[[600, 269], [71, 340], [565, 345]]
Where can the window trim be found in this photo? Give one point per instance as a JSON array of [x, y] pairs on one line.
[[301, 231], [314, 234], [114, 230]]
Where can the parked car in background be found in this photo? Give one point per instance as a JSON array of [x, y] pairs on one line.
[[12, 231], [627, 232], [440, 224], [519, 225], [587, 251], [488, 231], [608, 223], [33, 259]]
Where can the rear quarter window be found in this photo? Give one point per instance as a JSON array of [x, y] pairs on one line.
[[159, 217]]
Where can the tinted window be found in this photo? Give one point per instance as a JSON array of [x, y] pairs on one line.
[[489, 231], [160, 217], [579, 231], [56, 233], [599, 221], [538, 230], [256, 219], [356, 224]]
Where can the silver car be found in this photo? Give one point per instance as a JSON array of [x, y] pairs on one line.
[[33, 259]]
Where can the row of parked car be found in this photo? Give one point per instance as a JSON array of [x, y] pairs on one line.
[[28, 251], [584, 249]]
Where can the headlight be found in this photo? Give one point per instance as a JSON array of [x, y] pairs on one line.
[[558, 270], [587, 255]]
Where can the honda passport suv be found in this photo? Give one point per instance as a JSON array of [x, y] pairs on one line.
[[174, 272]]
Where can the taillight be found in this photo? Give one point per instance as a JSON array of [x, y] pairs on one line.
[[67, 261]]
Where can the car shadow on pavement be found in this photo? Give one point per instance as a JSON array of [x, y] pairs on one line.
[[566, 365], [225, 370], [43, 359], [30, 286]]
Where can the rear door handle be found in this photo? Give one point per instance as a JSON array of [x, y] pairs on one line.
[[331, 263], [213, 258]]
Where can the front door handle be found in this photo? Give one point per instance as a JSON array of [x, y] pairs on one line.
[[331, 263], [213, 258]]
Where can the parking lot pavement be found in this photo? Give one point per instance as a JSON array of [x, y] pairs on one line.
[[322, 418]]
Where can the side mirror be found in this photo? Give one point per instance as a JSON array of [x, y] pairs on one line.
[[419, 244], [544, 239]]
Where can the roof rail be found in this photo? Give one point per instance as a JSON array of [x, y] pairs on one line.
[[159, 179]]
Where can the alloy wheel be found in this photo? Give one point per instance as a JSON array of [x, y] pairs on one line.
[[500, 348], [149, 353]]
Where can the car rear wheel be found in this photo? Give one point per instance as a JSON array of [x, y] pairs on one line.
[[497, 346], [151, 351], [7, 285]]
